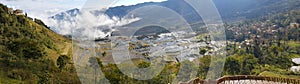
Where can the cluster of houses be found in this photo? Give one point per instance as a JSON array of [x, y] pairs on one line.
[[257, 33], [168, 47], [263, 34], [15, 12]]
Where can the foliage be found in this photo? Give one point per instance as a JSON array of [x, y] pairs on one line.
[[40, 22], [204, 66], [27, 49], [232, 66], [62, 61], [266, 44], [202, 51]]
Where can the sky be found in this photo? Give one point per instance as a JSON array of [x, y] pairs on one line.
[[45, 8]]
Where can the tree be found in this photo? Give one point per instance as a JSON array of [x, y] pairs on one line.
[[202, 51], [28, 48], [40, 22], [232, 66], [103, 54], [257, 51], [62, 61], [203, 66], [143, 64], [248, 64]]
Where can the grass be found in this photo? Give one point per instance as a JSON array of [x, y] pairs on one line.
[[294, 43], [294, 56], [5, 80], [26, 38], [274, 74]]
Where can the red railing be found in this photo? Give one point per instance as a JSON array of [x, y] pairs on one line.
[[255, 79]]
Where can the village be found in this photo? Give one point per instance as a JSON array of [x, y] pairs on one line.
[[171, 47], [260, 36]]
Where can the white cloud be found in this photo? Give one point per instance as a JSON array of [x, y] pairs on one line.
[[86, 22], [87, 26], [43, 8]]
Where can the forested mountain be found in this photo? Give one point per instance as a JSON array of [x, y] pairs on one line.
[[262, 41], [31, 53], [230, 10], [271, 41]]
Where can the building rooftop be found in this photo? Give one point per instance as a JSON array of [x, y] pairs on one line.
[[296, 60]]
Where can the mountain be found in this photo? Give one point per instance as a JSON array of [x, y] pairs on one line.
[[229, 10], [31, 53], [71, 13]]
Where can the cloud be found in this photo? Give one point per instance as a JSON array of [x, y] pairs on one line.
[[85, 23], [88, 26], [43, 8]]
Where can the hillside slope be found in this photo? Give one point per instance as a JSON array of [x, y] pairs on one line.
[[228, 9], [31, 53]]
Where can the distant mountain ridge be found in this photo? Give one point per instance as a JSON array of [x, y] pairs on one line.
[[63, 15], [228, 9]]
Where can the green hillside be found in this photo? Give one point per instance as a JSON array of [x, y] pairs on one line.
[[31, 53]]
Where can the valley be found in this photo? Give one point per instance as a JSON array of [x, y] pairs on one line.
[[260, 39]]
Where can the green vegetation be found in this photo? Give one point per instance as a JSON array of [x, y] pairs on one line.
[[31, 53], [62, 61], [266, 51], [115, 76], [272, 42]]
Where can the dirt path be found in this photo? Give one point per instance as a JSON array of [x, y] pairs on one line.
[[66, 49]]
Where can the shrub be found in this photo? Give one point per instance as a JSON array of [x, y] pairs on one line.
[[62, 61], [20, 74]]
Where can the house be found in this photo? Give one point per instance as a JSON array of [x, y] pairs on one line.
[[18, 12], [294, 25], [295, 69], [10, 10], [296, 62]]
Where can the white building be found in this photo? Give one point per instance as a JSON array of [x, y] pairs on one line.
[[295, 68]]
